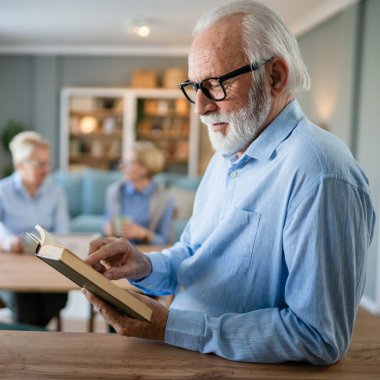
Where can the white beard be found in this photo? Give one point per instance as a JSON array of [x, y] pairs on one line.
[[243, 125]]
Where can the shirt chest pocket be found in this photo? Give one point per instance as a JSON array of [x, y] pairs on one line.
[[235, 239]]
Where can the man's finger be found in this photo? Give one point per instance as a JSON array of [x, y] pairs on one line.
[[109, 314], [94, 245], [120, 322], [106, 250]]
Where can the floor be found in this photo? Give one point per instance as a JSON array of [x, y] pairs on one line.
[[367, 327]]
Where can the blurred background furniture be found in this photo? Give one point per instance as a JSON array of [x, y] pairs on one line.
[[86, 197]]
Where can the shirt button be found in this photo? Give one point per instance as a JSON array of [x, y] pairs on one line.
[[234, 174]]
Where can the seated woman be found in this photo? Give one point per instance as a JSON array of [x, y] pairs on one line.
[[28, 197], [136, 207]]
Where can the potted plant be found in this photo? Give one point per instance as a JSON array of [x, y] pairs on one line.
[[10, 130]]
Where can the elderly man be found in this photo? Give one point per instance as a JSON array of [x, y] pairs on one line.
[[271, 266]]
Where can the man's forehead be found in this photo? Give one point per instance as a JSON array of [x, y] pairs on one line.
[[215, 50]]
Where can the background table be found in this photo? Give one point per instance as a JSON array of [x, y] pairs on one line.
[[50, 355], [26, 273]]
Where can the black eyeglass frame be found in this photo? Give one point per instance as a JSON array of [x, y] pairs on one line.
[[199, 86]]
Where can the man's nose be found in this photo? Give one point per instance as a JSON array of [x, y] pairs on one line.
[[203, 104]]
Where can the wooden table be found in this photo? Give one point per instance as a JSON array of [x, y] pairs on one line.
[[50, 355], [26, 273]]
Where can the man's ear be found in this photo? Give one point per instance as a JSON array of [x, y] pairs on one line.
[[278, 74]]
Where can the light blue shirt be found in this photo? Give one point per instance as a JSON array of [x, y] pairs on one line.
[[271, 266], [19, 212]]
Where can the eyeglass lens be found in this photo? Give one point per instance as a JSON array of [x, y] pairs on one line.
[[210, 87], [39, 164], [191, 92]]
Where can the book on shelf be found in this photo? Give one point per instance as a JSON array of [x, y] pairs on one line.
[[73, 267]]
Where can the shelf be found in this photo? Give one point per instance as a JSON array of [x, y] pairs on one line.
[[169, 114], [96, 135], [98, 113], [120, 116], [162, 135], [88, 157]]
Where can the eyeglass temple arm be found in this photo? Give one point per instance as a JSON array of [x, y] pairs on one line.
[[245, 69]]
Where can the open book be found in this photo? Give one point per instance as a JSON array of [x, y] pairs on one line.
[[70, 265]]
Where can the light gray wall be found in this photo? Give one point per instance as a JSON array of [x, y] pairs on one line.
[[329, 54], [15, 96], [30, 86], [368, 136]]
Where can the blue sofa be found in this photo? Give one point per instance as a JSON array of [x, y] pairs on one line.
[[86, 197]]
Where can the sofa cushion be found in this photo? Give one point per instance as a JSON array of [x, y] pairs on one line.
[[94, 185], [87, 224], [72, 184], [166, 179], [183, 192], [179, 225], [187, 183], [183, 201]]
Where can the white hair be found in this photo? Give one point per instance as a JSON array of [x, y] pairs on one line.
[[264, 36], [23, 145]]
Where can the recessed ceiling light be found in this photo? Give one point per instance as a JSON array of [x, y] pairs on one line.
[[139, 27], [141, 30]]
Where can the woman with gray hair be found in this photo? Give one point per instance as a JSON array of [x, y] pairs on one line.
[[28, 197], [136, 207]]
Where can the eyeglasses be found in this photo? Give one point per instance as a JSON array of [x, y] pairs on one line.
[[127, 163], [39, 164], [214, 88]]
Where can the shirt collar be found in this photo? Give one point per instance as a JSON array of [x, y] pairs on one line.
[[274, 134], [17, 178], [130, 188]]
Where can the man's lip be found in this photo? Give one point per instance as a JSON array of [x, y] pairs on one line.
[[218, 127]]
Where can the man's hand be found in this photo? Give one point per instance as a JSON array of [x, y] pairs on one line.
[[118, 258], [127, 326]]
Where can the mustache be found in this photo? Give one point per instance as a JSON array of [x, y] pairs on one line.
[[215, 119]]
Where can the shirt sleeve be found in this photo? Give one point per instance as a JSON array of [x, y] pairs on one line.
[[6, 238], [3, 231], [325, 239], [61, 217], [165, 266]]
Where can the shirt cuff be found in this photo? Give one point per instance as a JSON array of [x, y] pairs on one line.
[[185, 329], [149, 283]]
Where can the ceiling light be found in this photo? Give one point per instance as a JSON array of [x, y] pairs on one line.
[[141, 30], [139, 27]]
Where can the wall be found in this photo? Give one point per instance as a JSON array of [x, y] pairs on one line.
[[368, 135], [329, 54], [30, 86], [15, 95]]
